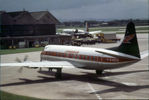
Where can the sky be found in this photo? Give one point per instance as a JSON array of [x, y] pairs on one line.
[[78, 10]]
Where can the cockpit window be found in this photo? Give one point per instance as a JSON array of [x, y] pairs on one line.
[[46, 48]]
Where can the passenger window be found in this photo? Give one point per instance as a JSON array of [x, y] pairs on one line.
[[99, 58], [62, 55], [70, 55], [81, 56], [54, 53], [96, 58], [93, 58], [85, 57], [88, 58], [67, 55]]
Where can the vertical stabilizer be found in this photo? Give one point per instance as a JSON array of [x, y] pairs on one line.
[[130, 44], [86, 28]]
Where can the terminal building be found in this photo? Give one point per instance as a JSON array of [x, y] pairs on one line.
[[27, 29]]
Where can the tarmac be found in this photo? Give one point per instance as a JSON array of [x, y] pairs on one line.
[[130, 82]]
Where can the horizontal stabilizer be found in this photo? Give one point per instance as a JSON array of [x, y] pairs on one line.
[[117, 54], [144, 54]]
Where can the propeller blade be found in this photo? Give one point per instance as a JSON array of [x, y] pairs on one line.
[[25, 58], [18, 60]]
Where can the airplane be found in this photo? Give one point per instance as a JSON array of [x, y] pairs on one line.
[[79, 31], [91, 32], [73, 31], [98, 59]]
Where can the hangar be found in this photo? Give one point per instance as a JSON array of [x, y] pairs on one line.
[[25, 29]]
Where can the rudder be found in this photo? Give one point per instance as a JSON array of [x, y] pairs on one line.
[[130, 44]]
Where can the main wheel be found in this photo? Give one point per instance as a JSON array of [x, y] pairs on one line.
[[99, 72], [58, 74]]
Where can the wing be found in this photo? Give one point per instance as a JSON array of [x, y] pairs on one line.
[[95, 32], [46, 64]]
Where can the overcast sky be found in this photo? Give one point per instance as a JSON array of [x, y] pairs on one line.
[[83, 9]]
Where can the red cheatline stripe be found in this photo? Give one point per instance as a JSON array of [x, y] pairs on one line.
[[86, 57]]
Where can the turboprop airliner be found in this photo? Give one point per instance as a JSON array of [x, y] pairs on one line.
[[79, 31], [98, 59]]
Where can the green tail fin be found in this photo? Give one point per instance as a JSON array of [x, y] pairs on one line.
[[130, 44]]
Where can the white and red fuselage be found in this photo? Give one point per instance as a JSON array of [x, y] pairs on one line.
[[87, 58]]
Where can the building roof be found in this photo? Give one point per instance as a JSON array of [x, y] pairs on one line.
[[25, 17], [44, 17], [38, 15], [5, 18], [14, 14]]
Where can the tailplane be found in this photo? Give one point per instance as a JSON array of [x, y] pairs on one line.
[[130, 44]]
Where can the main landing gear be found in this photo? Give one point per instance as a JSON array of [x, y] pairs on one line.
[[99, 72], [58, 73]]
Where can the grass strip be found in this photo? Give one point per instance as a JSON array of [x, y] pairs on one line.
[[10, 96], [13, 51]]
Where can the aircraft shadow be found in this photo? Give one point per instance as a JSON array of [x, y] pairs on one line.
[[121, 88], [87, 77], [107, 73]]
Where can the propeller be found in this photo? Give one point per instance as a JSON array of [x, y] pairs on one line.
[[19, 60]]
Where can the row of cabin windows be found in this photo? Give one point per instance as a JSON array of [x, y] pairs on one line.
[[76, 56]]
